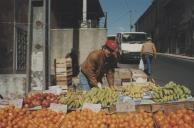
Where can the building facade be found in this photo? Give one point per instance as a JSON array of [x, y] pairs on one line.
[[171, 25], [35, 32]]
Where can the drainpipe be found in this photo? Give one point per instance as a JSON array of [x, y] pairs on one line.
[[84, 14]]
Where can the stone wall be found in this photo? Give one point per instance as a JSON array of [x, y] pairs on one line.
[[84, 40], [12, 86], [90, 39]]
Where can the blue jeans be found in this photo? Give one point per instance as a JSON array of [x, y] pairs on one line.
[[84, 85], [148, 58]]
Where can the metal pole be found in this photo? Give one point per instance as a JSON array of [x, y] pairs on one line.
[[84, 14], [29, 41], [192, 24], [45, 65], [105, 24], [14, 37], [49, 42]]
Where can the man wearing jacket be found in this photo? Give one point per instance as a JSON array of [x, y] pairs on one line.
[[148, 51], [97, 64]]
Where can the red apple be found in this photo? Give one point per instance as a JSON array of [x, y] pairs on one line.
[[45, 103]]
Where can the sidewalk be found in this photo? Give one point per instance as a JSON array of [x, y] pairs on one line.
[[177, 56]]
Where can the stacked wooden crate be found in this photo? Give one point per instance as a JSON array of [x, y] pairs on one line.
[[125, 75], [63, 72], [138, 76]]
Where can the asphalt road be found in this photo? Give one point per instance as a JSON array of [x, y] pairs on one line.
[[166, 69]]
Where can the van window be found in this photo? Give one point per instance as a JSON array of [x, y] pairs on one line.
[[128, 37], [111, 38]]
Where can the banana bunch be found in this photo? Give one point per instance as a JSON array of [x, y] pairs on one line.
[[169, 92], [150, 87], [133, 91], [163, 95], [104, 96], [178, 88], [73, 100]]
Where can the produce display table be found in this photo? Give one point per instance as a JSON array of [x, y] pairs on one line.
[[128, 106]]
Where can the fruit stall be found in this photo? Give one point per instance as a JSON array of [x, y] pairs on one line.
[[127, 106]]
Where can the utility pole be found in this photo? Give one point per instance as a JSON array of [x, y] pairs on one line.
[[192, 25], [84, 15], [130, 19], [105, 22]]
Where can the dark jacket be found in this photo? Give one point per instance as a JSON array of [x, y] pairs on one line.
[[96, 66], [75, 64]]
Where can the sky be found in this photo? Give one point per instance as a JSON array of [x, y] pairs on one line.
[[123, 13]]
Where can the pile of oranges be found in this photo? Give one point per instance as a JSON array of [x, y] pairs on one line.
[[12, 117], [181, 118], [88, 119]]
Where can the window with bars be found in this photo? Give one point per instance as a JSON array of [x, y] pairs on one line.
[[21, 50]]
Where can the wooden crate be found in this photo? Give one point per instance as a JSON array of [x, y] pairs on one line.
[[157, 107], [189, 105], [170, 107], [145, 107], [63, 78], [65, 61], [125, 74], [63, 72], [64, 82], [138, 75]]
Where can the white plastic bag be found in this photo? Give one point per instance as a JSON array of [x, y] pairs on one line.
[[99, 85], [141, 64]]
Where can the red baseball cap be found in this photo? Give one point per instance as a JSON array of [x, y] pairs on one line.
[[111, 45]]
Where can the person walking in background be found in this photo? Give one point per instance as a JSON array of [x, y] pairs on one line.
[[148, 52], [97, 64]]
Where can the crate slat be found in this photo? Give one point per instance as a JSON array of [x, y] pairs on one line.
[[63, 70], [63, 65], [69, 72], [63, 60], [63, 78]]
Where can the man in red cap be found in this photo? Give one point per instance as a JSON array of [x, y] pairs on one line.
[[97, 64]]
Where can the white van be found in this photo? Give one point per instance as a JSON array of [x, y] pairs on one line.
[[130, 44], [111, 37]]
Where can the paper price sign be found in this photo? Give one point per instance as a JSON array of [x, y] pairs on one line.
[[125, 107], [17, 103], [35, 108], [58, 107], [93, 107]]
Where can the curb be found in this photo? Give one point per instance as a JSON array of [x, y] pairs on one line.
[[177, 56]]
